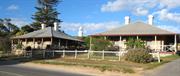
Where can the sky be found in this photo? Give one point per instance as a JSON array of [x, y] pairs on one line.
[[98, 15]]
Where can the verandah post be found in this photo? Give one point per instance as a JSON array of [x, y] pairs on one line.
[[155, 43], [175, 43], [120, 38]]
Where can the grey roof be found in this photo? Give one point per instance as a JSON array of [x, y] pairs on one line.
[[47, 32], [138, 28]]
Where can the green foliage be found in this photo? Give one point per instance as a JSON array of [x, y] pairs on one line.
[[27, 28], [21, 32], [5, 44], [19, 46], [46, 12], [134, 43], [99, 44], [7, 28], [36, 25], [87, 41], [138, 55], [48, 3]]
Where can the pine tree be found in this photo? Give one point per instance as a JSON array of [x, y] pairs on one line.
[[46, 13]]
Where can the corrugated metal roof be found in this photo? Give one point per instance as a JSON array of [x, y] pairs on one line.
[[47, 32], [138, 28]]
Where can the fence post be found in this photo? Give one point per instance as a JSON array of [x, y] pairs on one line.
[[103, 55], [31, 53], [53, 52], [24, 53], [159, 60], [88, 54], [44, 53], [75, 54], [119, 55], [63, 53]]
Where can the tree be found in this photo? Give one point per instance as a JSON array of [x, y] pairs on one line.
[[7, 28], [48, 3], [46, 13], [27, 28], [5, 44], [36, 25], [99, 44]]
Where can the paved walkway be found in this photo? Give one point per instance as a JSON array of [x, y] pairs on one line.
[[169, 69]]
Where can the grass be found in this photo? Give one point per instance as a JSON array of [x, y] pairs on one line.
[[106, 65], [102, 65]]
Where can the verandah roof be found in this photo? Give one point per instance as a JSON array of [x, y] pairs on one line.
[[45, 33], [138, 28]]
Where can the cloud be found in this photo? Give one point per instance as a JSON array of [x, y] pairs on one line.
[[19, 21], [169, 3], [138, 7], [141, 11], [174, 28], [93, 28], [164, 14], [12, 7], [90, 28], [119, 5], [113, 6]]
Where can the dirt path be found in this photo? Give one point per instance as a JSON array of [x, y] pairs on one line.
[[77, 69]]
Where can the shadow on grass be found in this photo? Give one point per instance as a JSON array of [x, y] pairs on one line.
[[12, 60]]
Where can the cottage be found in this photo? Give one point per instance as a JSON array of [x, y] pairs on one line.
[[46, 38], [155, 38]]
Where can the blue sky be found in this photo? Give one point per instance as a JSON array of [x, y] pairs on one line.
[[98, 15]]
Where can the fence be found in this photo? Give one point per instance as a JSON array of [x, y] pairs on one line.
[[89, 54], [5, 54], [94, 55]]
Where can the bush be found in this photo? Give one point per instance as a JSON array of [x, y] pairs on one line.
[[138, 55], [5, 44], [19, 46], [99, 44]]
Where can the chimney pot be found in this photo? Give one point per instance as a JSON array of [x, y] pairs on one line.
[[150, 19], [42, 26], [127, 20], [56, 26], [80, 33]]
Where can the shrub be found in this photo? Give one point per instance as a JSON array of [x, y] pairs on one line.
[[99, 44], [19, 46], [138, 55], [134, 43]]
